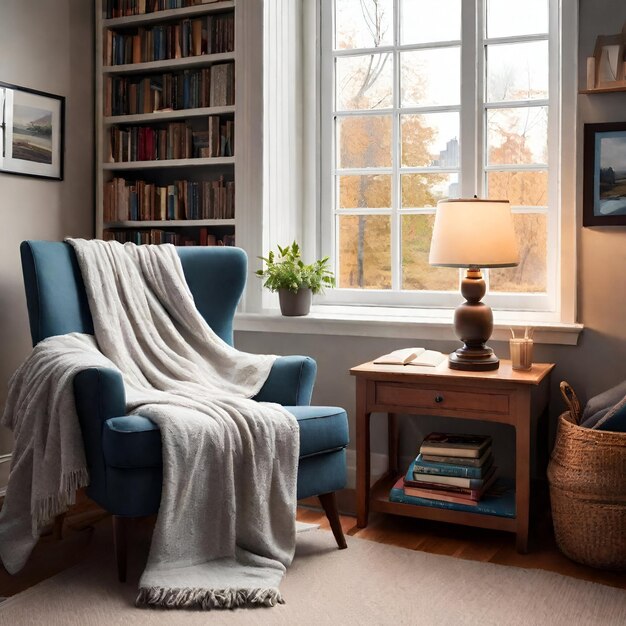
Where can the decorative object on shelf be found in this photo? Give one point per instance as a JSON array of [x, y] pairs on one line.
[[522, 350], [473, 234], [604, 178], [31, 132], [295, 281], [605, 70], [588, 490]]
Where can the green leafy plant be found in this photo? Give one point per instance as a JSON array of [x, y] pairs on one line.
[[287, 270]]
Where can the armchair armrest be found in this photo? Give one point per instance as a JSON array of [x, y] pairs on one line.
[[290, 381], [99, 394]]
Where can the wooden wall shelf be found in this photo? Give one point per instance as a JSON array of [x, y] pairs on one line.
[[603, 90]]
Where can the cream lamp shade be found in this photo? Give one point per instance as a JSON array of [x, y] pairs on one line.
[[474, 232]]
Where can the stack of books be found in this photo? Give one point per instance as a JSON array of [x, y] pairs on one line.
[[452, 468]]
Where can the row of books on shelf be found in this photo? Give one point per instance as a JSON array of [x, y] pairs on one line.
[[456, 471], [157, 236], [139, 200], [124, 8], [209, 34], [176, 140], [208, 87]]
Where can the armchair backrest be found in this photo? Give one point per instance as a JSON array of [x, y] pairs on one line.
[[57, 302]]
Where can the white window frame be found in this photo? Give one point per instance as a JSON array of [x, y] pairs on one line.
[[558, 304]]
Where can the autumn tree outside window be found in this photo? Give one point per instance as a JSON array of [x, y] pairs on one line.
[[423, 100]]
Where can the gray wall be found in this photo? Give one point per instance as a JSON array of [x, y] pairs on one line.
[[599, 360], [45, 45]]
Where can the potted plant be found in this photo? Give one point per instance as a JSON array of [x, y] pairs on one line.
[[295, 281]]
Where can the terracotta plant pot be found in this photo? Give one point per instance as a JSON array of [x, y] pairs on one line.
[[293, 304]]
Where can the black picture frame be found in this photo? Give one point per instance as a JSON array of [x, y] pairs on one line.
[[603, 202], [32, 132]]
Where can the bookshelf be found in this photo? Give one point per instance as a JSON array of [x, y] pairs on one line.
[[165, 87]]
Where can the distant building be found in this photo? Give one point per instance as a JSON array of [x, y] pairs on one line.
[[448, 157]]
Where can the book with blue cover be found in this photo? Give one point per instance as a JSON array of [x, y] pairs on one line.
[[448, 469], [499, 500], [464, 491]]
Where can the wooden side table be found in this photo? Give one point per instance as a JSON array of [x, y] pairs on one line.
[[503, 396]]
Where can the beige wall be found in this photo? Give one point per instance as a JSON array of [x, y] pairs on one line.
[[599, 360], [45, 45]]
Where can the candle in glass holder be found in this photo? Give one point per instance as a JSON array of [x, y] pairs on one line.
[[521, 353]]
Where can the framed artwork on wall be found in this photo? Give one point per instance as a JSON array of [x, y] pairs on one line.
[[604, 175], [31, 132]]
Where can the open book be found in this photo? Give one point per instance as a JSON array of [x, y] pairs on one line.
[[412, 356]]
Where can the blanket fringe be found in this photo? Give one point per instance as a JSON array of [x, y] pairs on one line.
[[48, 507], [207, 599]]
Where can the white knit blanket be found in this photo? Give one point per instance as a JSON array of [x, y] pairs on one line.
[[225, 530]]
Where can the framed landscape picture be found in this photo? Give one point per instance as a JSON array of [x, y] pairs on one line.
[[604, 180], [31, 132]]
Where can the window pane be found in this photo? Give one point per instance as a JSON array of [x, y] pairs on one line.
[[530, 275], [517, 71], [424, 21], [365, 82], [365, 192], [423, 191], [519, 188], [364, 141], [431, 77], [518, 135], [363, 23], [506, 18], [430, 140], [417, 274], [364, 251]]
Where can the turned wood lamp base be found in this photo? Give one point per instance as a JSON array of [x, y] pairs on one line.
[[473, 360], [473, 325]]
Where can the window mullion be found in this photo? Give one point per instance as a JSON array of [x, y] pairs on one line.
[[396, 250], [470, 101]]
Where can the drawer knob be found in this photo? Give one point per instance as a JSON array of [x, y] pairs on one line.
[[438, 399]]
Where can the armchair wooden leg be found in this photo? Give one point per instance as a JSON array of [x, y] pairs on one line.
[[120, 540], [329, 504]]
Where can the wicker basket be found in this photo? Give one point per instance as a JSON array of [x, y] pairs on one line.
[[587, 475]]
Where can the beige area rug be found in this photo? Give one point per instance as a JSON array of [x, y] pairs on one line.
[[369, 583]]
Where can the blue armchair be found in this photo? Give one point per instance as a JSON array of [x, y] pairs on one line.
[[124, 451]]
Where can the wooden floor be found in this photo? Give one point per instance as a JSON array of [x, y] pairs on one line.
[[52, 556]]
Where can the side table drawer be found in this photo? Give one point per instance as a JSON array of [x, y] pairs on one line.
[[397, 394]]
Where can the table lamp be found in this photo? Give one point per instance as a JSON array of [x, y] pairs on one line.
[[473, 234]]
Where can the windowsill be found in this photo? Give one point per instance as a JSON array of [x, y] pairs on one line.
[[389, 323]]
